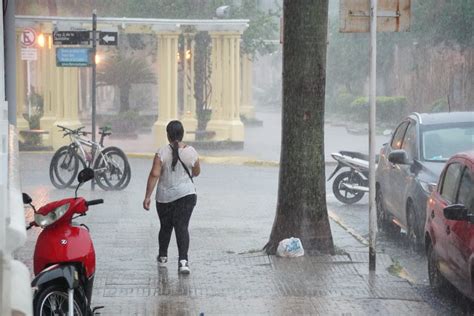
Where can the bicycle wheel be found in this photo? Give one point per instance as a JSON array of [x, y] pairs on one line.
[[120, 176], [112, 169], [63, 167], [128, 170]]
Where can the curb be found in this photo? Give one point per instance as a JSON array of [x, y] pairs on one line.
[[228, 160], [348, 229], [403, 273]]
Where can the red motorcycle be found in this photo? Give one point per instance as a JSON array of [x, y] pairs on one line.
[[64, 259]]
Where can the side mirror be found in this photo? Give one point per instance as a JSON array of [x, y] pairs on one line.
[[399, 157], [456, 212], [85, 175], [26, 199]]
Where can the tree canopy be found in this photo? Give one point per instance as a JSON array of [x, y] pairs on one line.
[[122, 71]]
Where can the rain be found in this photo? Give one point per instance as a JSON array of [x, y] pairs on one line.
[[308, 201]]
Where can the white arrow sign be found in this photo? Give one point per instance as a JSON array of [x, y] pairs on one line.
[[108, 38]]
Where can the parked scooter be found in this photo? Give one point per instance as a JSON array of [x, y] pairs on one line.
[[350, 185], [64, 258]]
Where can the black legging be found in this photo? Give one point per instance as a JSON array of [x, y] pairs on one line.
[[175, 215]]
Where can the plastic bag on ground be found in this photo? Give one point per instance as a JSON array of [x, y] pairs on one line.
[[290, 247]]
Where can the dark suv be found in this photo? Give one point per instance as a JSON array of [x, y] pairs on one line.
[[411, 163]]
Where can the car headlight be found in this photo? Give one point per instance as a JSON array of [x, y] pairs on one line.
[[51, 217], [428, 187]]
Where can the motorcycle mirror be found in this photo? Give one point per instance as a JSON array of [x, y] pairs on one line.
[[85, 175], [26, 199]]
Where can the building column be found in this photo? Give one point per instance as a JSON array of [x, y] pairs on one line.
[[167, 85], [49, 82], [189, 116], [66, 89], [237, 127], [225, 120], [21, 88], [247, 108]]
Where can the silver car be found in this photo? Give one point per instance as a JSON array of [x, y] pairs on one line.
[[411, 163]]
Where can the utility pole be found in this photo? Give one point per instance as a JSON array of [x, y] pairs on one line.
[[94, 79], [10, 59], [360, 17], [372, 95]]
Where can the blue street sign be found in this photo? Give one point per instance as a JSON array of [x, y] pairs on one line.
[[73, 56]]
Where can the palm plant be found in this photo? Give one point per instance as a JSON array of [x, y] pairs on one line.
[[122, 71]]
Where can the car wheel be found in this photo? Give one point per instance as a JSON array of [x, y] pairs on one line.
[[437, 280], [382, 217], [413, 231]]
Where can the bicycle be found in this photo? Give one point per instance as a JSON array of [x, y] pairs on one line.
[[110, 164]]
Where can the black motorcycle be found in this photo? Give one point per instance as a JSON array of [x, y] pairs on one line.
[[350, 185]]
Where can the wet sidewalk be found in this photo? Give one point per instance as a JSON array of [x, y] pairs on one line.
[[229, 273]]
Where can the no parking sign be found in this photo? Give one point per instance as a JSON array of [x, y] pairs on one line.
[[28, 37]]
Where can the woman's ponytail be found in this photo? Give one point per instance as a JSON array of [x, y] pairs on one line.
[[175, 132], [175, 147]]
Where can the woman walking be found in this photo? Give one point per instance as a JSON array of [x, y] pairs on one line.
[[174, 167]]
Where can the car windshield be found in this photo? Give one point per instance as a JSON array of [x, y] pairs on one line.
[[440, 142]]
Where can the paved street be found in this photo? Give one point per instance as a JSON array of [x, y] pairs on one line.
[[230, 275], [264, 142]]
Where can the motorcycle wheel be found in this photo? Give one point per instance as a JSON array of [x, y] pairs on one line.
[[343, 194], [53, 300]]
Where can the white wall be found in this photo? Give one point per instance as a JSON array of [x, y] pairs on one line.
[[15, 291]]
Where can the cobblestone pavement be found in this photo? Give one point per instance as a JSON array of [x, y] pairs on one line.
[[229, 273]]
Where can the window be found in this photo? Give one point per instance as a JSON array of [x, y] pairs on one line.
[[398, 136], [451, 179], [466, 190], [409, 142], [439, 142]]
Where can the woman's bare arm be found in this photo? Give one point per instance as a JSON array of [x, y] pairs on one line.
[[153, 178], [196, 169]]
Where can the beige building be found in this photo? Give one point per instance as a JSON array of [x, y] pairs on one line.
[[231, 76]]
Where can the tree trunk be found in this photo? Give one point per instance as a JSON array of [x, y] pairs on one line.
[[301, 209], [124, 98]]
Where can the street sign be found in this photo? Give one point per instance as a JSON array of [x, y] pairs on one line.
[[29, 53], [71, 37], [392, 16], [108, 38], [28, 37], [74, 57]]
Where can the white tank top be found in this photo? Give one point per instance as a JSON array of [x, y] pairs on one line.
[[176, 184]]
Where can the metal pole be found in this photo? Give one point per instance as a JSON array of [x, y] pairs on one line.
[[4, 286], [372, 94], [28, 88], [94, 78], [10, 59]]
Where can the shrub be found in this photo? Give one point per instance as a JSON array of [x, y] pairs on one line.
[[37, 105], [389, 109], [124, 123], [341, 103]]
